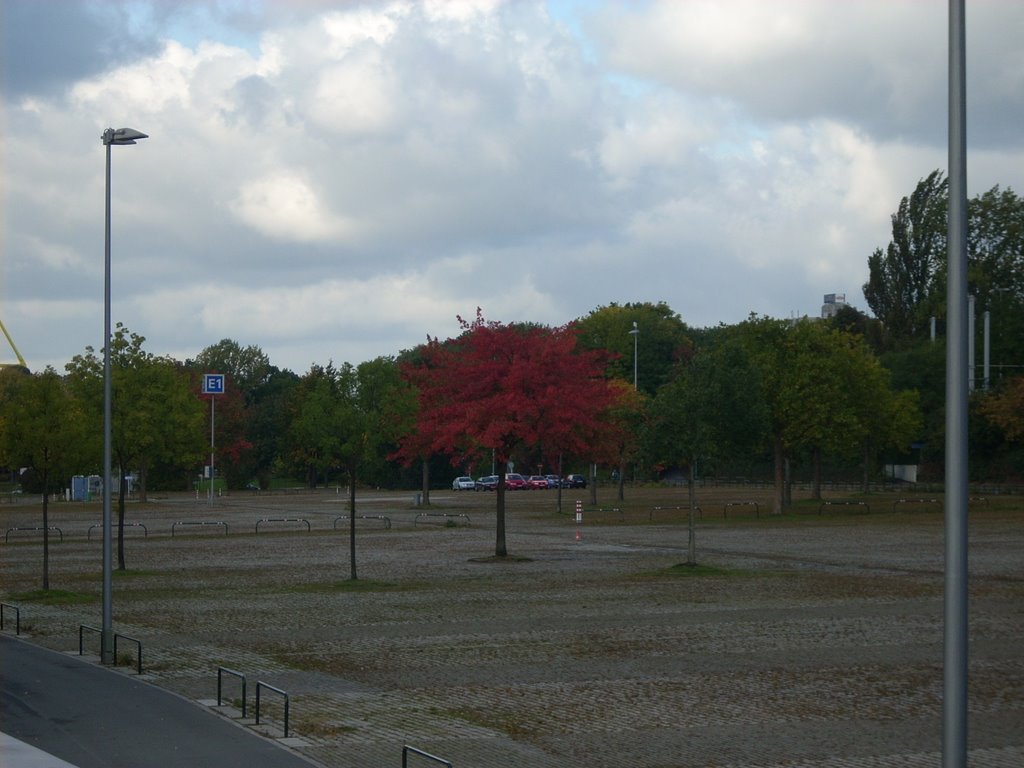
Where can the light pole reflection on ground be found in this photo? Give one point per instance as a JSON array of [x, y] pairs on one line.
[[110, 137]]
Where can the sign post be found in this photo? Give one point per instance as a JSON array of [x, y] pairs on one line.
[[213, 384]]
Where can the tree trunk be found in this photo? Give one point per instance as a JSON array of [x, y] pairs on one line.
[[425, 489], [558, 502], [778, 502], [865, 480], [691, 548], [622, 481], [816, 483], [500, 549], [120, 518], [593, 485], [46, 530], [143, 472], [352, 522]]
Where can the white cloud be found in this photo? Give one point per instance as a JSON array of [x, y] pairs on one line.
[[336, 181], [287, 208]]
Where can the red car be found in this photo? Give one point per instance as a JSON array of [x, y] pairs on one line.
[[538, 482], [515, 482]]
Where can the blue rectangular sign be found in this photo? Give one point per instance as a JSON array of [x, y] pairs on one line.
[[213, 383]]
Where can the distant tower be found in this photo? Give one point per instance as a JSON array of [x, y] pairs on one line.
[[833, 303], [21, 360]]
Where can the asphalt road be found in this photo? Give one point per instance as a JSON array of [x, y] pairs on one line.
[[93, 717]]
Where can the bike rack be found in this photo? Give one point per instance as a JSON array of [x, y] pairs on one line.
[[757, 509], [7, 536], [17, 617], [698, 510], [260, 684], [913, 501], [221, 671], [81, 631], [387, 520], [282, 520], [138, 645], [145, 530], [199, 522], [407, 750], [98, 631], [447, 516], [864, 504]]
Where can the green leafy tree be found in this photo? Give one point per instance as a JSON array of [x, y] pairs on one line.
[[346, 420], [809, 375], [43, 427], [267, 421], [506, 389], [713, 408], [902, 281], [249, 367], [660, 341], [155, 416]]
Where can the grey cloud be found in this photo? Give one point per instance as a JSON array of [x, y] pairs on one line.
[[46, 45]]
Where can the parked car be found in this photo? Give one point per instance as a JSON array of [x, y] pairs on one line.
[[515, 482], [554, 481], [575, 481], [463, 484], [486, 483], [538, 482]]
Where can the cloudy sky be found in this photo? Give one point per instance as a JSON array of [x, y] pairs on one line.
[[336, 180]]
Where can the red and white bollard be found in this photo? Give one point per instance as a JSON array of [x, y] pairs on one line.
[[579, 520]]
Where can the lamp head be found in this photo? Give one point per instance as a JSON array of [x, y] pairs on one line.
[[121, 136]]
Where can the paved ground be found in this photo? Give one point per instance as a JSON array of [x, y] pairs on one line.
[[817, 642], [58, 710]]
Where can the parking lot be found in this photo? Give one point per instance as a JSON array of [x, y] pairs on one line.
[[811, 640]]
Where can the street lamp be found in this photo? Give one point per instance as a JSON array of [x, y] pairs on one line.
[[635, 333], [109, 137]]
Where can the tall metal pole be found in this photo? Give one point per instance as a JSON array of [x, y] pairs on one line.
[[955, 651], [635, 333], [986, 350], [109, 137], [213, 474], [107, 634]]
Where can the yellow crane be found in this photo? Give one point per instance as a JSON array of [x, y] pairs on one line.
[[21, 360]]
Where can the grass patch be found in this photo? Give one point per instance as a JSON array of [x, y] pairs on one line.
[[501, 559], [132, 574], [349, 585], [54, 597], [696, 570]]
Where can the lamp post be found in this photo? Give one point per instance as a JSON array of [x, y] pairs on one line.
[[109, 138], [635, 333]]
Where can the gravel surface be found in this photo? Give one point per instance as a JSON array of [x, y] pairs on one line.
[[808, 640]]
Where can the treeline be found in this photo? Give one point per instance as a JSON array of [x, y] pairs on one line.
[[765, 396]]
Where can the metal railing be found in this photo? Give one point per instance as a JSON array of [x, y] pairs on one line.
[[698, 510], [727, 507], [913, 501], [386, 520], [138, 647], [17, 617], [260, 685], [407, 750], [221, 671], [117, 635], [282, 520], [145, 530], [7, 536], [867, 507], [200, 523]]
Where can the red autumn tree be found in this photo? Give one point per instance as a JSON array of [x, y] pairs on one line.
[[507, 388]]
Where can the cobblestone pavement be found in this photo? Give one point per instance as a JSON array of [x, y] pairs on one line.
[[814, 641]]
